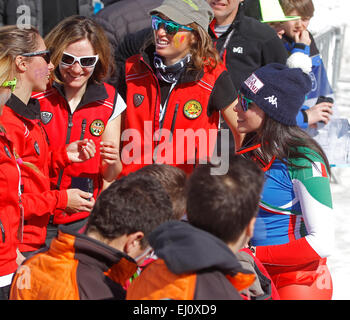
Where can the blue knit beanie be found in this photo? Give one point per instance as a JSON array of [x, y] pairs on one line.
[[278, 90]]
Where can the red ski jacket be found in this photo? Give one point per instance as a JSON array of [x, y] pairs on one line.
[[88, 121], [23, 126], [10, 214], [187, 132]]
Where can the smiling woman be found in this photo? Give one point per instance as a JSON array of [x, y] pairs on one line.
[[30, 65], [79, 104], [177, 82]]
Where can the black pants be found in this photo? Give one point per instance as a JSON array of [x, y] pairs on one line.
[[5, 292]]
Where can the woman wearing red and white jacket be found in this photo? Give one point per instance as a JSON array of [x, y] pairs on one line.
[[10, 194], [176, 88], [80, 105], [21, 118]]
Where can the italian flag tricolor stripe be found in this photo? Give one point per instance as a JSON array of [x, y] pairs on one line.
[[319, 170]]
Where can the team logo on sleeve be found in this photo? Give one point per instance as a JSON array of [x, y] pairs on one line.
[[46, 117], [138, 99], [97, 127], [192, 109]]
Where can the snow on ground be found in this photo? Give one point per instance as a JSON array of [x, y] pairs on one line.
[[336, 13]]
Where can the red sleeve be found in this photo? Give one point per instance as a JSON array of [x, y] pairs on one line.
[[58, 159], [37, 204], [293, 253]]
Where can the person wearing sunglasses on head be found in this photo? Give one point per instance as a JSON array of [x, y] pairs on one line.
[[294, 230], [29, 59], [79, 104], [176, 83]]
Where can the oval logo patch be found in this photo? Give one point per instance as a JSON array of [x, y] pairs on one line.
[[192, 109], [97, 127]]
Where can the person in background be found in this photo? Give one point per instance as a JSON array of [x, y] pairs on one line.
[[197, 260], [319, 103], [30, 62], [243, 43], [294, 230], [177, 82], [95, 265], [78, 105]]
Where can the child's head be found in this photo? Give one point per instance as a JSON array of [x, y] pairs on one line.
[[225, 205], [173, 180], [303, 8], [130, 209]]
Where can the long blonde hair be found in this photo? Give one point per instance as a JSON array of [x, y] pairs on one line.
[[13, 42]]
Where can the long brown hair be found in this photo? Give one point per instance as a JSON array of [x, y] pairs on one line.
[[73, 29], [202, 49], [282, 141]]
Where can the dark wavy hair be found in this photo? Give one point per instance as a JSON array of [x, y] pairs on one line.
[[133, 203]]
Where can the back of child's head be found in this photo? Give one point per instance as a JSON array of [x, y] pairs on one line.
[[223, 205], [173, 180], [133, 203]]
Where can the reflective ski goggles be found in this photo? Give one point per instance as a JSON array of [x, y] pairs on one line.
[[10, 84], [170, 27], [245, 102], [46, 54], [85, 62]]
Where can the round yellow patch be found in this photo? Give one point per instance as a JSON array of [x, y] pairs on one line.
[[97, 127], [192, 109]]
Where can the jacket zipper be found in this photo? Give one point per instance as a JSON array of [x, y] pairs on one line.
[[83, 128], [2, 232]]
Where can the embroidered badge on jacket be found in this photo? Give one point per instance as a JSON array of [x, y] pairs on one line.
[[46, 117], [192, 109], [97, 127], [138, 99]]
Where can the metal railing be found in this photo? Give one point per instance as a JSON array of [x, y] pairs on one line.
[[330, 42]]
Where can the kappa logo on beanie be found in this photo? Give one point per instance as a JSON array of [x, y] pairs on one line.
[[273, 100]]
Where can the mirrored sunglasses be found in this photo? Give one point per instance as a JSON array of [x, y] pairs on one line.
[[10, 84], [170, 27], [85, 61], [245, 102], [46, 54]]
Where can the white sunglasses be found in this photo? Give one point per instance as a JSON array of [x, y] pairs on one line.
[[85, 62]]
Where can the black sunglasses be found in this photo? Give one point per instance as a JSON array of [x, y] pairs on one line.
[[46, 54]]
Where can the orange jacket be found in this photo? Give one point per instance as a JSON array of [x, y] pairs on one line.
[[192, 265], [75, 267]]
